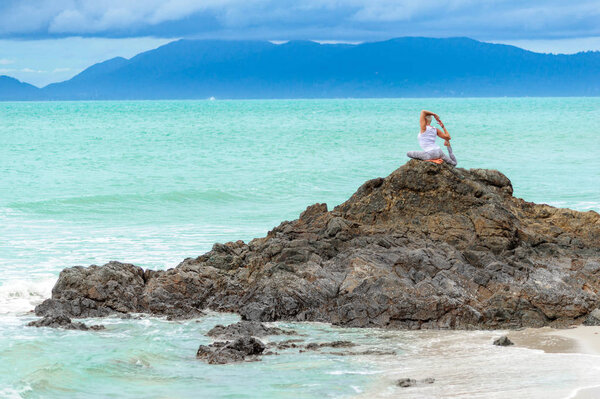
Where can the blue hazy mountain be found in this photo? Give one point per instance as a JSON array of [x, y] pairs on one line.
[[411, 66], [13, 89]]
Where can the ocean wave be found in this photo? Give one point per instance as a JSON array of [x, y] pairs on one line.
[[582, 206], [19, 296], [10, 393], [120, 201]]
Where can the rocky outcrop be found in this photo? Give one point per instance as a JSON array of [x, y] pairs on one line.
[[426, 247], [243, 348], [503, 341], [63, 322], [245, 328], [115, 288]]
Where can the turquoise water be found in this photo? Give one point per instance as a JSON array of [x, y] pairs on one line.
[[153, 182]]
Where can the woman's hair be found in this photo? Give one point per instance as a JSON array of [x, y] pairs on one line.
[[428, 118]]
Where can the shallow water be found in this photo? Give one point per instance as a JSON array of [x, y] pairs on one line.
[[153, 182]]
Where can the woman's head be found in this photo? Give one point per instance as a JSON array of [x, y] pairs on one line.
[[428, 118]]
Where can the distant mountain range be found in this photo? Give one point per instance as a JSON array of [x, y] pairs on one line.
[[403, 67]]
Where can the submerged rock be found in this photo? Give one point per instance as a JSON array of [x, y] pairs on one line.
[[61, 321], [230, 352], [429, 246], [335, 344], [287, 344], [245, 328], [503, 341]]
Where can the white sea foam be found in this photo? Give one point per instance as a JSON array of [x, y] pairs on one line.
[[593, 389], [18, 296], [9, 393]]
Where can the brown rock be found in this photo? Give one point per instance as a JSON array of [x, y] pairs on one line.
[[426, 247]]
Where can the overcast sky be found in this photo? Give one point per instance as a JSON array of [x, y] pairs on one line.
[[43, 41]]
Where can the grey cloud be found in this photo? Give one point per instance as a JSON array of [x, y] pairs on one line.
[[288, 19]]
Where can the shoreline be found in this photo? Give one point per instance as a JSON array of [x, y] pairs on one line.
[[579, 339]]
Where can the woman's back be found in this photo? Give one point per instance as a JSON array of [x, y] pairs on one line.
[[427, 139]]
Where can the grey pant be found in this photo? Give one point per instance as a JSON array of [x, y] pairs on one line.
[[434, 154]]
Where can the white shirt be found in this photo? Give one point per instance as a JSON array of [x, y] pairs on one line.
[[427, 139]]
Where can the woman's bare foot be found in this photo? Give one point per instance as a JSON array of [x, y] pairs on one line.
[[447, 143]]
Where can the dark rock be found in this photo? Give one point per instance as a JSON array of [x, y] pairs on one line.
[[406, 382], [95, 291], [503, 341], [230, 352], [245, 328], [409, 382], [429, 246], [287, 344], [593, 319], [313, 346], [64, 322], [183, 313], [312, 212]]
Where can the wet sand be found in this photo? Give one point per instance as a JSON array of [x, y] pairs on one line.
[[545, 339], [580, 339]]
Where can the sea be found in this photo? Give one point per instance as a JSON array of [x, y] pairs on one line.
[[154, 182]]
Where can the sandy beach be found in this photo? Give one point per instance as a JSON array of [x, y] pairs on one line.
[[580, 339]]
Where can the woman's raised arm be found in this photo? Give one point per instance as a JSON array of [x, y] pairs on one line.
[[443, 134], [423, 121]]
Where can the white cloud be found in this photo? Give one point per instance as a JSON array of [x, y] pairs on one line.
[[6, 61], [558, 46], [89, 16], [323, 20]]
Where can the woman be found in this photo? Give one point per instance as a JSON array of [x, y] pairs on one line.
[[431, 151]]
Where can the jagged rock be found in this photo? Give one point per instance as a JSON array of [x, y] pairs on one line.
[[245, 328], [429, 246], [593, 319], [503, 341], [287, 344], [230, 352], [64, 322], [95, 291]]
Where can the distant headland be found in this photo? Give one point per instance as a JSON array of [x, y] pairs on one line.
[[403, 67]]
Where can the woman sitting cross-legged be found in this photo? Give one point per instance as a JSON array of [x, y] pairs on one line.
[[431, 151]]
